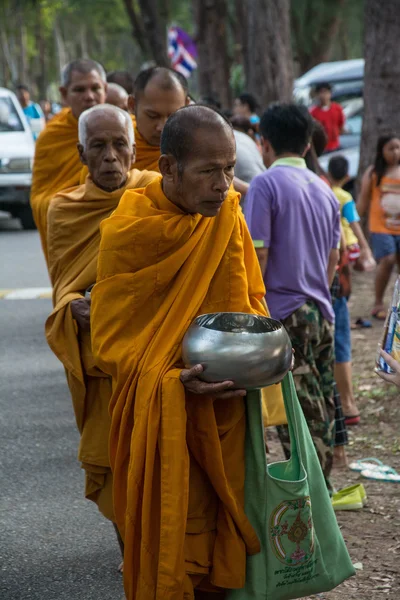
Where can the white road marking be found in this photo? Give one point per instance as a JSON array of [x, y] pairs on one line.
[[26, 293]]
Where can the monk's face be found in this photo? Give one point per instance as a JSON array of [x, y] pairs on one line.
[[152, 108], [84, 91], [202, 184], [108, 153]]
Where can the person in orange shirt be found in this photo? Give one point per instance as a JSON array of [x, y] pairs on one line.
[[57, 165], [174, 250], [380, 199]]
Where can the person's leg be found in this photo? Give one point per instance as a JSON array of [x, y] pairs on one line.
[[343, 369], [303, 328], [384, 249], [341, 439]]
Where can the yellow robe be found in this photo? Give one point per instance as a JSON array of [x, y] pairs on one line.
[[74, 221], [177, 459], [146, 156], [56, 167]]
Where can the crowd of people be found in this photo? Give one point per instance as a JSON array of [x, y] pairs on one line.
[[136, 194]]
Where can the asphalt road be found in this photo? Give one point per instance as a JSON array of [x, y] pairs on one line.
[[54, 544]]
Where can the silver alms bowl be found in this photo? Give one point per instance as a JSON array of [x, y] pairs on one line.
[[251, 350]]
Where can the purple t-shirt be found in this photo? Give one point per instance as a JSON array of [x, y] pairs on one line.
[[291, 211]]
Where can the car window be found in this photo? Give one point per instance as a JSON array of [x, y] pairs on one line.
[[9, 118], [354, 124]]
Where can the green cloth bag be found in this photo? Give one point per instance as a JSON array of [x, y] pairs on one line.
[[302, 548]]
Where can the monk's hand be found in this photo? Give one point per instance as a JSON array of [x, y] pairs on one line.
[[221, 391], [80, 309]]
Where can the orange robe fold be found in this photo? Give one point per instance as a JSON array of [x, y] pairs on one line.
[[74, 219], [177, 459], [146, 156], [56, 166]]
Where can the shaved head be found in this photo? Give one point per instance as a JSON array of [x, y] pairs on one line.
[[198, 155], [179, 133], [106, 145], [83, 66], [159, 92], [164, 78], [117, 96]]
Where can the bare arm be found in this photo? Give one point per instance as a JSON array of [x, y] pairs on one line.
[[262, 255], [332, 264], [364, 198], [240, 186]]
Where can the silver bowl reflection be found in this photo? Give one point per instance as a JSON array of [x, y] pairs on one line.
[[251, 350]]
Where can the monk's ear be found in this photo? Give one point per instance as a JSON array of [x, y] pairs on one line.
[[168, 167], [82, 156], [131, 104], [133, 154], [188, 101], [307, 149], [63, 92]]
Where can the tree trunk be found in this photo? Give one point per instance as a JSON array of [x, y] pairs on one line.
[[315, 26], [269, 66], [211, 38], [381, 76], [240, 31], [137, 28], [156, 33]]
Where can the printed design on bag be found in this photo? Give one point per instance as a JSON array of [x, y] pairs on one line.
[[291, 532]]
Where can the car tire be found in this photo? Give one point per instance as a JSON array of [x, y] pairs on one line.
[[26, 217]]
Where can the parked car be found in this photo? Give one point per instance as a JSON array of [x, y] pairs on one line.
[[345, 76], [17, 149]]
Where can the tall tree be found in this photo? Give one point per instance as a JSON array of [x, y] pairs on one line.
[[315, 26], [269, 67], [381, 76], [212, 48]]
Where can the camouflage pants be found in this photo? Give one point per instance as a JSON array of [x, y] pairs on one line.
[[312, 339]]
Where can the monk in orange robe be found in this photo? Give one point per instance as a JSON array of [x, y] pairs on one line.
[[107, 148], [57, 165], [158, 92], [174, 250]]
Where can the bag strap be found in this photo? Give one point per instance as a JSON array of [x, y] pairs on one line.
[[292, 407]]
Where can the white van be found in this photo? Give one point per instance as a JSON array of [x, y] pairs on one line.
[[17, 149]]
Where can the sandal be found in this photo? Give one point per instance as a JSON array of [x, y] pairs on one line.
[[390, 476], [379, 313], [369, 464], [361, 324], [351, 420]]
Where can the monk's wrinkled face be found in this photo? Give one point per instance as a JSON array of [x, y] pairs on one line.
[[84, 91], [108, 153], [201, 184], [152, 108]]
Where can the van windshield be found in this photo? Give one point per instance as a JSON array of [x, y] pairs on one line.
[[9, 118]]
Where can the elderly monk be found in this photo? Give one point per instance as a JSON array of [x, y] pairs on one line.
[[174, 250], [57, 165], [107, 147], [158, 93], [117, 96]]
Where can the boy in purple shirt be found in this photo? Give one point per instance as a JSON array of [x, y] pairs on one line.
[[294, 220]]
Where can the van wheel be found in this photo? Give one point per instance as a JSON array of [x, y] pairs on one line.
[[26, 217]]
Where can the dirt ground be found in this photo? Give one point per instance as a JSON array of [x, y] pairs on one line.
[[373, 533]]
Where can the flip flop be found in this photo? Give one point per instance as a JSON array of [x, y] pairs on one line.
[[361, 324], [390, 476], [351, 420], [379, 313], [369, 464]]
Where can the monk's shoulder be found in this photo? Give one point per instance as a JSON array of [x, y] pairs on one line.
[[64, 200]]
